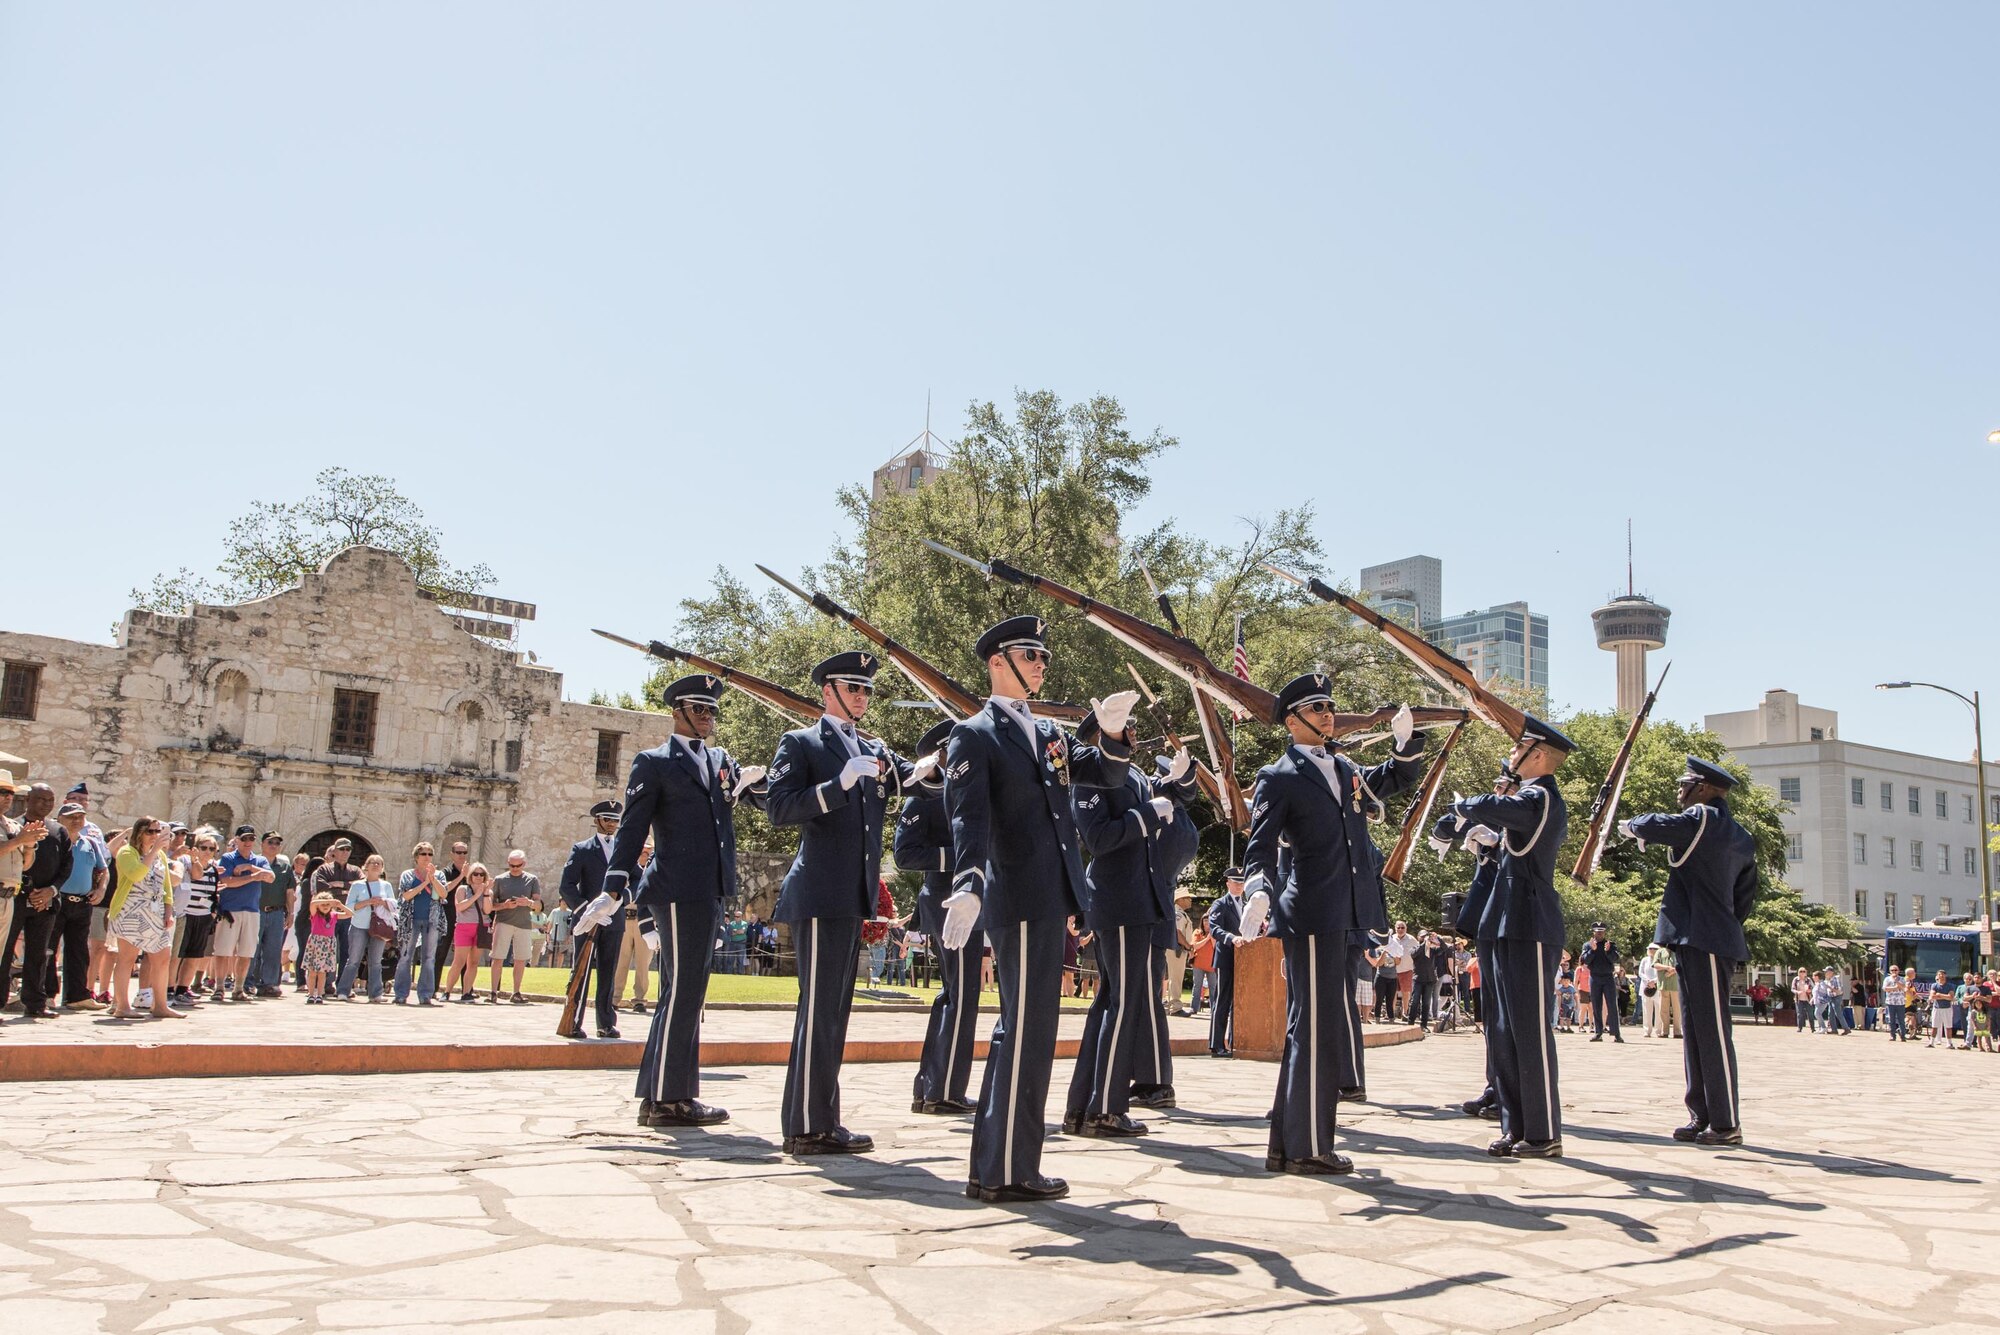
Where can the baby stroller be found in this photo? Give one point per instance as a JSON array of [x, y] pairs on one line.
[[1447, 1017]]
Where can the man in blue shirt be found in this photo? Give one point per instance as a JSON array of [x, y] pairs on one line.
[[76, 894], [241, 874]]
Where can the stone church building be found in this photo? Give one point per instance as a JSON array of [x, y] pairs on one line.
[[350, 705]]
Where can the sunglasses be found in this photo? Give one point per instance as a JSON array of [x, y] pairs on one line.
[[477, 876], [1034, 655], [206, 848], [701, 711], [516, 866], [857, 688], [1317, 707]]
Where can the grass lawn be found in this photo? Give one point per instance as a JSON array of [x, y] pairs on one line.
[[737, 987]]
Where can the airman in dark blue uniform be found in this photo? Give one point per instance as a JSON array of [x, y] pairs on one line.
[[1711, 887], [582, 882], [1225, 927], [1017, 873], [1523, 924], [835, 785], [1484, 842], [923, 844], [684, 795], [1140, 838], [1317, 803]]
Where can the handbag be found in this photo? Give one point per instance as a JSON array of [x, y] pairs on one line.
[[482, 936], [1652, 988]]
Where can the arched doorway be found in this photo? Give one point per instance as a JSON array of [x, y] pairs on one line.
[[315, 847]]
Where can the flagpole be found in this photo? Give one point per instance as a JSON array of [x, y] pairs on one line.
[[1234, 718]]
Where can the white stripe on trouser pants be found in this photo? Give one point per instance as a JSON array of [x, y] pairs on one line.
[[806, 1066], [1117, 1026], [1721, 1050], [951, 1035], [673, 991], [1542, 1028], [1014, 1061], [1312, 1063]]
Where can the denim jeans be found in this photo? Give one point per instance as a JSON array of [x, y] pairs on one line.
[[876, 954], [267, 965], [423, 946], [1202, 992], [358, 944], [1898, 1027]]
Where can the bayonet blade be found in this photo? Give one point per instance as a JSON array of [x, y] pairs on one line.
[[955, 555], [620, 639], [773, 575]]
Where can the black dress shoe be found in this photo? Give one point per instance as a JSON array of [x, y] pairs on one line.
[[1539, 1149], [1319, 1165], [1353, 1094], [1072, 1123], [609, 1033], [1473, 1107], [1154, 1096], [942, 1107], [1502, 1148], [1034, 1189], [1718, 1136], [1226, 1052], [837, 1141], [1115, 1125], [682, 1112], [1687, 1134]]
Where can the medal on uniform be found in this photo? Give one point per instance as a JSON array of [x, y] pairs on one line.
[[1058, 756]]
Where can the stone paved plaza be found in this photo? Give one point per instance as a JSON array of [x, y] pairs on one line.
[[525, 1203]]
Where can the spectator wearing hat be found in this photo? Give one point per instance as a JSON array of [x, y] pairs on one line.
[[834, 785], [277, 900], [241, 875], [17, 845], [1174, 954], [581, 883], [419, 891], [97, 981], [86, 886], [44, 868], [1711, 888], [1600, 960]]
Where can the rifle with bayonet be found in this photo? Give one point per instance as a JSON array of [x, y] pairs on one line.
[[1419, 814], [1223, 792], [1604, 810], [947, 694], [786, 704], [1235, 807], [1452, 674]]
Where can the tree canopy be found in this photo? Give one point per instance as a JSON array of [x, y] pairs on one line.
[[276, 543]]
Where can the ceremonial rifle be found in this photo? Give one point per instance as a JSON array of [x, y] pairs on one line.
[[1452, 674], [1419, 814], [1224, 793], [1604, 810], [789, 705], [1234, 806], [569, 1024], [947, 694]]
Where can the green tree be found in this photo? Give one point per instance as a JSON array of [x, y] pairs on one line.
[[275, 544]]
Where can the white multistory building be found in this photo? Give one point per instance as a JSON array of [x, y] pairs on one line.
[[1887, 836]]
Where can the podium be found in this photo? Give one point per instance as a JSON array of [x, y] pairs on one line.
[[1260, 1000]]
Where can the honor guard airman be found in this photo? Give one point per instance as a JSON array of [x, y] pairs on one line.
[[1523, 927], [1711, 887], [682, 795], [835, 785], [1017, 873], [1484, 841], [582, 882], [1225, 927], [923, 844], [1140, 838], [1316, 803]]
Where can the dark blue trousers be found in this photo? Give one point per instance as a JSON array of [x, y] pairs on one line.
[[946, 1066], [1119, 1019], [1222, 1016], [1709, 1049], [670, 1065], [1319, 1026], [604, 959], [1007, 1132], [1524, 1049], [1483, 951], [1603, 1002], [1153, 1062], [827, 949], [1350, 1060]]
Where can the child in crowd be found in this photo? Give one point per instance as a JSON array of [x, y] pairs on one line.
[[322, 952]]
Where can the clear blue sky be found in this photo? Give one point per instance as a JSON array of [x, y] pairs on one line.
[[621, 291]]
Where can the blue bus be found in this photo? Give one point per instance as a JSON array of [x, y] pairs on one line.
[[1928, 949]]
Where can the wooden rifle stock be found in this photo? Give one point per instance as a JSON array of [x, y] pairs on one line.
[[1604, 809], [1222, 792], [1449, 672], [1419, 814], [785, 703], [570, 1023]]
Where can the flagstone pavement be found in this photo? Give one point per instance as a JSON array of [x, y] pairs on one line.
[[528, 1203]]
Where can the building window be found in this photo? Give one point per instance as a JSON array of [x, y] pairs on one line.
[[1819, 734], [1971, 862], [353, 723], [1888, 797], [916, 474], [1888, 851], [1861, 905], [1993, 811], [1968, 808], [1944, 907], [1916, 855], [1795, 847], [20, 687], [1943, 804], [1860, 850], [1916, 908], [1916, 800], [1856, 793], [514, 756], [1788, 790], [607, 756], [1888, 906], [1944, 859]]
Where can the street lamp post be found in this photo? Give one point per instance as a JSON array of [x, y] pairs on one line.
[[1979, 768]]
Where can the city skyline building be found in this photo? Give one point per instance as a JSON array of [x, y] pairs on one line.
[[1411, 588], [1505, 642], [1631, 626]]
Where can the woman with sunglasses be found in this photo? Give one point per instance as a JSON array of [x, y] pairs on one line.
[[474, 894], [138, 922]]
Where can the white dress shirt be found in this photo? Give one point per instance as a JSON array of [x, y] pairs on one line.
[[1018, 711]]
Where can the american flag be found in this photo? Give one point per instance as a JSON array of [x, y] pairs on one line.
[[1239, 663]]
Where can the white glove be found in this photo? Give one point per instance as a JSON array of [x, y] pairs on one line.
[[1402, 727], [961, 912], [1439, 846], [924, 768], [652, 940], [598, 912], [1163, 807], [1483, 836], [857, 769], [1183, 762], [1115, 711], [1256, 908], [747, 778], [1625, 830]]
